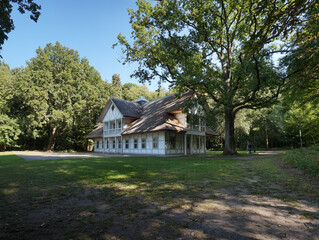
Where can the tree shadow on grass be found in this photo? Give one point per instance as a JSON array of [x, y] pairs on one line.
[[123, 199]]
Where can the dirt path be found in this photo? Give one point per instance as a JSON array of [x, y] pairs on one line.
[[37, 155], [223, 214]]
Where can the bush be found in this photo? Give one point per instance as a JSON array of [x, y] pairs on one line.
[[306, 159]]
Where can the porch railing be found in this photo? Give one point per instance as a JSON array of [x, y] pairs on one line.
[[197, 128], [113, 131]]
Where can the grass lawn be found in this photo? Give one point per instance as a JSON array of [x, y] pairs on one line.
[[135, 197]]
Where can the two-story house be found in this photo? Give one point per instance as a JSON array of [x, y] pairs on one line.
[[157, 127]]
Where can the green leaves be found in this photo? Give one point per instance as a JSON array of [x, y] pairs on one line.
[[6, 22], [58, 90], [9, 132], [221, 49]]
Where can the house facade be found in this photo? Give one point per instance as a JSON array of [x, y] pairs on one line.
[[157, 127]]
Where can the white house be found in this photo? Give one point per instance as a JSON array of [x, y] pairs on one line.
[[158, 127]]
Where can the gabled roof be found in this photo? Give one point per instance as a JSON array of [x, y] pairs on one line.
[[127, 108], [97, 132], [155, 115], [210, 132]]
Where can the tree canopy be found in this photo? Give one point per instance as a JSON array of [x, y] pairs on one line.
[[221, 49], [9, 128], [303, 62], [57, 92]]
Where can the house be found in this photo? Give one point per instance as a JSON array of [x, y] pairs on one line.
[[158, 127]]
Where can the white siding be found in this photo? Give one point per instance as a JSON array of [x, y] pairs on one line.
[[112, 114], [181, 117], [98, 143], [149, 150]]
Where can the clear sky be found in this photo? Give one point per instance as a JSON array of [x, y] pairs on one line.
[[91, 27]]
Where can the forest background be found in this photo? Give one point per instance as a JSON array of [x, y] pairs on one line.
[[53, 102]]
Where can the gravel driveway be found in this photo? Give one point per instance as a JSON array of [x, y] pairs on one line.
[[35, 155]]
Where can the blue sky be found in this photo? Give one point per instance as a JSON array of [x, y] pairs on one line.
[[91, 27]]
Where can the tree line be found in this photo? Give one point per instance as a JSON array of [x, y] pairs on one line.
[[224, 50], [55, 100]]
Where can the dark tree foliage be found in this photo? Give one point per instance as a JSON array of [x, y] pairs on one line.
[[303, 61], [58, 95], [6, 22]]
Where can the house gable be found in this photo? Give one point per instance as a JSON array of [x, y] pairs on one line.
[[112, 112]]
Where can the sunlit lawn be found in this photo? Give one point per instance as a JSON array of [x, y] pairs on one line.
[[154, 175], [150, 177]]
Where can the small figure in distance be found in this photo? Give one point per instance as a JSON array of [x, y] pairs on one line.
[[249, 146]]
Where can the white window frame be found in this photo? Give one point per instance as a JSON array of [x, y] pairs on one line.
[[155, 142], [143, 143], [135, 143]]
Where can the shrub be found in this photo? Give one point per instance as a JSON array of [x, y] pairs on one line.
[[306, 159]]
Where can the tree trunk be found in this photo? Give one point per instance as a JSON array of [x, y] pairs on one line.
[[230, 146], [52, 138]]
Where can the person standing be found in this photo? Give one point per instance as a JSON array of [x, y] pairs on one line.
[[249, 146]]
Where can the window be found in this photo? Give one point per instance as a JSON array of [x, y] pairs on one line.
[[120, 144], [198, 142], [112, 107], [135, 143], [107, 144], [155, 142], [113, 143], [127, 144], [172, 141], [102, 144], [97, 144], [143, 143], [119, 124], [202, 143], [113, 125]]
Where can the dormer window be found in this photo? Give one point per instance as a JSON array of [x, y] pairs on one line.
[[141, 101]]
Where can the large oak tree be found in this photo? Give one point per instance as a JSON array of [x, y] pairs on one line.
[[221, 49]]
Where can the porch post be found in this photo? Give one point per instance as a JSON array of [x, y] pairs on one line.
[[116, 144], [121, 144], [205, 149], [121, 124]]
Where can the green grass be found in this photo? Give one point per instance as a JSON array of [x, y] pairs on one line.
[[306, 159], [152, 178], [66, 193], [145, 175]]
